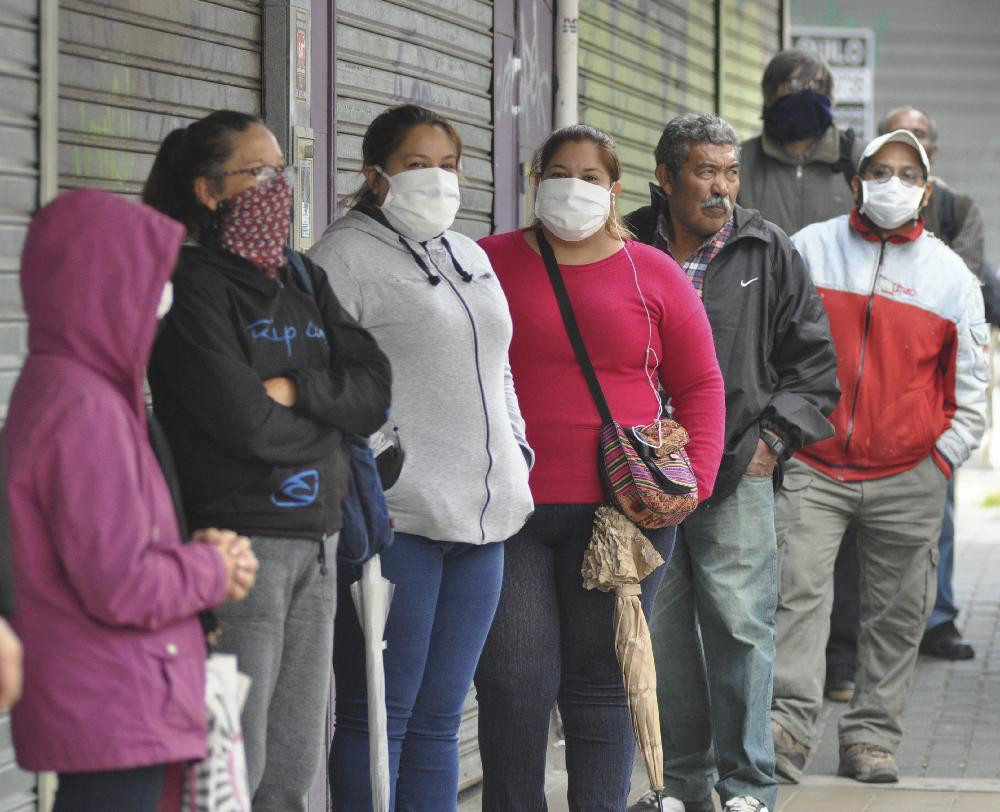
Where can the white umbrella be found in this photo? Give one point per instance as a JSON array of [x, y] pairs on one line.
[[372, 596]]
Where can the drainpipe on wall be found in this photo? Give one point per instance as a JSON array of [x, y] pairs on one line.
[[48, 103], [567, 43]]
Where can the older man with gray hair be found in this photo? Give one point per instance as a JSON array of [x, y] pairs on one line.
[[773, 343]]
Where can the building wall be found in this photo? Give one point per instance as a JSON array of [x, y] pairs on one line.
[[20, 171], [943, 58], [750, 33], [642, 62], [436, 53]]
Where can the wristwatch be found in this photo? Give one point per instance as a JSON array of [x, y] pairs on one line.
[[773, 441]]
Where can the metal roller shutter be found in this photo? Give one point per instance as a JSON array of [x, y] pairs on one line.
[[435, 53], [750, 35], [19, 172], [642, 62], [130, 71]]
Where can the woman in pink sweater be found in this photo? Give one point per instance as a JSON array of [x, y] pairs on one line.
[[643, 325]]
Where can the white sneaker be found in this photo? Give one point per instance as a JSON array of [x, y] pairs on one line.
[[647, 803], [745, 803]]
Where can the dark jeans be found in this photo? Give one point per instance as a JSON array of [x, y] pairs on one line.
[[137, 790], [945, 609], [845, 616], [552, 640], [441, 610]]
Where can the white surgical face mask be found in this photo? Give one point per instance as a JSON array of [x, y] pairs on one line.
[[421, 203], [890, 204], [166, 300], [571, 208]]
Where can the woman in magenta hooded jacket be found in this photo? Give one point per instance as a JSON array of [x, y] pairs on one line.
[[108, 595]]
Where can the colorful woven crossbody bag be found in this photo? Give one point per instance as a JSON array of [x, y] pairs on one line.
[[651, 482]]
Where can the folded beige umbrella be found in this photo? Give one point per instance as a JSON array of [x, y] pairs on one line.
[[618, 558]]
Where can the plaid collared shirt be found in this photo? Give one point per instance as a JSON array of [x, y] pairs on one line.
[[696, 264]]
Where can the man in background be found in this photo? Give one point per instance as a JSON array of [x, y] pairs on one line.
[[798, 170]]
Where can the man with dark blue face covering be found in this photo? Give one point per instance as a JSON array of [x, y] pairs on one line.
[[798, 170]]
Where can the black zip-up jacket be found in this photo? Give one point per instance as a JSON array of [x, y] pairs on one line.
[[244, 461], [772, 339]]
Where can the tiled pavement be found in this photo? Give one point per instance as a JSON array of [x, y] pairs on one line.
[[950, 756]]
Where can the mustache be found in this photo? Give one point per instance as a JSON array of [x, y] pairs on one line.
[[716, 201]]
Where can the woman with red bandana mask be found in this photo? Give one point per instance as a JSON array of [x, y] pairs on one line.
[[258, 376]]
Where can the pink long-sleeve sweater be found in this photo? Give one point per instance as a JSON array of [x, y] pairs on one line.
[[563, 424]]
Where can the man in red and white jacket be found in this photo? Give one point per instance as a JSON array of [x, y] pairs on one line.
[[906, 316]]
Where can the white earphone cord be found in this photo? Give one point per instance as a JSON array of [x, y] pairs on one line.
[[638, 431]]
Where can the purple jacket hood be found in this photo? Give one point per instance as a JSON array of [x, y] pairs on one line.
[[92, 272]]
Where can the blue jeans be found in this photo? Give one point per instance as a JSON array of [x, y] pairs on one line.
[[944, 605], [715, 692], [552, 640], [445, 597]]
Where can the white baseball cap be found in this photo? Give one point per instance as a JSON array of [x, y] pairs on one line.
[[903, 137]]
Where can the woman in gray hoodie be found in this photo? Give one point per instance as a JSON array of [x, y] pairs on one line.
[[431, 300]]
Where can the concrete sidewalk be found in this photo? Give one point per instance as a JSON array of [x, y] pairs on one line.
[[950, 756]]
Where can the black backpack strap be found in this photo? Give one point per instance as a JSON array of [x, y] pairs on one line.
[[572, 328], [845, 163], [295, 260], [165, 457], [947, 213], [6, 564]]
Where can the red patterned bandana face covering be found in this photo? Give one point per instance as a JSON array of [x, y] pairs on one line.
[[256, 222]]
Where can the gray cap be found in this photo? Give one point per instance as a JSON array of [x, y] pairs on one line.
[[903, 137]]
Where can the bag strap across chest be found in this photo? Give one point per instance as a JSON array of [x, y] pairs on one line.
[[572, 328]]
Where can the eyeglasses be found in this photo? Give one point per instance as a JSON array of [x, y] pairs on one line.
[[795, 83], [908, 175], [262, 173]]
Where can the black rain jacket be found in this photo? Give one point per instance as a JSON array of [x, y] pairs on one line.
[[244, 461], [772, 339]]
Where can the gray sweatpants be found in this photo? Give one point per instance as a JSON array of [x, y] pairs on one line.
[[282, 636], [898, 520]]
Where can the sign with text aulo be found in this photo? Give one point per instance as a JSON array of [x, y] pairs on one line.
[[850, 53]]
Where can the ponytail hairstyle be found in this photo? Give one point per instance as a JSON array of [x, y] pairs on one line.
[[579, 133], [199, 150], [385, 135]]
